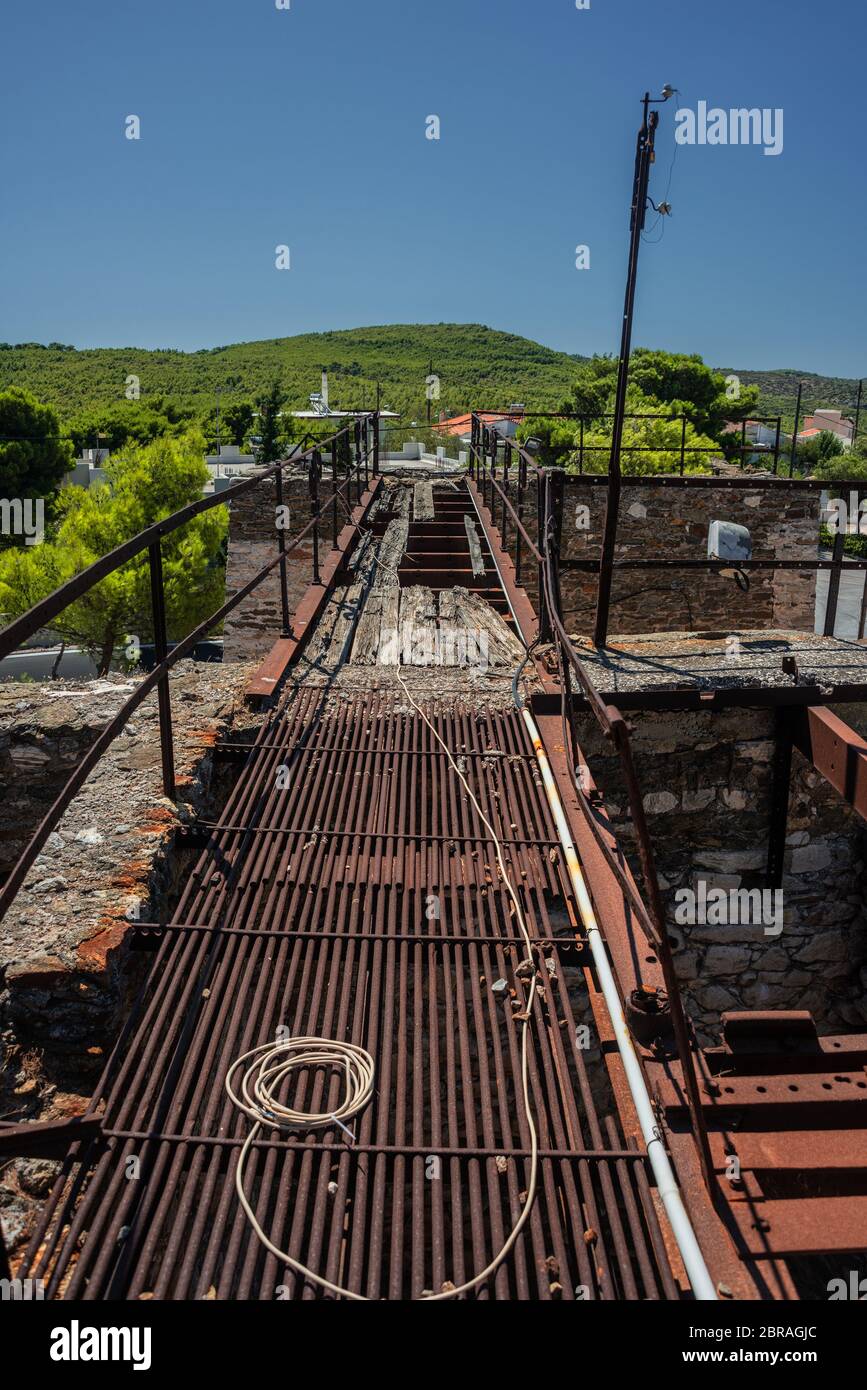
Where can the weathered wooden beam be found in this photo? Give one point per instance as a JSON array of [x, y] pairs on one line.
[[476, 558]]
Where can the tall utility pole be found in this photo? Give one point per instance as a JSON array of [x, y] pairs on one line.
[[644, 156], [857, 412], [795, 430]]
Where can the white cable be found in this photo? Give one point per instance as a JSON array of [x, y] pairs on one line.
[[275, 1061], [699, 1276]]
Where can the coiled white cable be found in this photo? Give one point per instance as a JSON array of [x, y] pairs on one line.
[[276, 1060]]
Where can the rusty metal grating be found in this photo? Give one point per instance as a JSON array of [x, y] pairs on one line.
[[362, 901]]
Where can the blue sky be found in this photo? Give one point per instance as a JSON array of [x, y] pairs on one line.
[[306, 127]]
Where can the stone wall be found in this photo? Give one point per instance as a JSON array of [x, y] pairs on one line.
[[63, 952], [667, 522], [706, 779], [252, 628]]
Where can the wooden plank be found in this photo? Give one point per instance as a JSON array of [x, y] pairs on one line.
[[418, 626], [476, 558], [422, 502]]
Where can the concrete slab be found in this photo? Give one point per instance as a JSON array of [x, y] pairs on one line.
[[661, 662]]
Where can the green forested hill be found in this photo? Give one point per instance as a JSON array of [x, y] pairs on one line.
[[779, 390], [476, 366]]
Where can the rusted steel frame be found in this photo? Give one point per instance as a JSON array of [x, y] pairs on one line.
[[834, 582], [835, 750], [338, 832], [42, 613], [519, 525], [504, 493], [614, 727], [113, 728], [781, 782], [657, 912], [158, 610], [655, 563], [315, 475], [40, 1250], [47, 1138], [158, 929], [195, 1070], [516, 595], [738, 483], [285, 615], [615, 1154]]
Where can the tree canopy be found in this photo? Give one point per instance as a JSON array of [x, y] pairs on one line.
[[143, 485], [33, 457]]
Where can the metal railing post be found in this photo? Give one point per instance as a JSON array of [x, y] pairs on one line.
[[507, 449], [542, 523], [334, 496], [161, 651], [315, 473], [281, 546], [682, 445], [376, 444]]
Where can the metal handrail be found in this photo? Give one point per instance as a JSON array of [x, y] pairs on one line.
[[41, 614], [158, 677]]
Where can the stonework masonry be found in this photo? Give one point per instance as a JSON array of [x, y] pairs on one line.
[[251, 628], [706, 780], [660, 522]]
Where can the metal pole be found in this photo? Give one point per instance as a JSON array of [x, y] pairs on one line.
[[682, 445], [281, 546], [581, 448], [795, 430], [857, 411], [542, 521], [376, 444], [161, 651], [777, 444], [643, 158], [315, 470], [334, 496], [507, 449]]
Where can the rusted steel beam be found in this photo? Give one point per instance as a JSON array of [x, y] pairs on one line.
[[46, 1138], [836, 751], [266, 678]]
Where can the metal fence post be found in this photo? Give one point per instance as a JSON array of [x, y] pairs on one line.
[[315, 473], [376, 444], [682, 445], [161, 651], [507, 449], [281, 546], [334, 495], [542, 524]]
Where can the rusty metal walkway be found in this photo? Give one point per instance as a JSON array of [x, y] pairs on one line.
[[361, 899]]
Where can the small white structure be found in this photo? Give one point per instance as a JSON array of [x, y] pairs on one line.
[[87, 469], [230, 462]]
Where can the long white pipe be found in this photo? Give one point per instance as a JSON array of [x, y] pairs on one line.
[[699, 1277]]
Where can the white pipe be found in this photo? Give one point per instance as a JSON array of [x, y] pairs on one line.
[[699, 1277]]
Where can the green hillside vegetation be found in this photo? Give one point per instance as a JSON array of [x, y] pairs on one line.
[[475, 366]]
